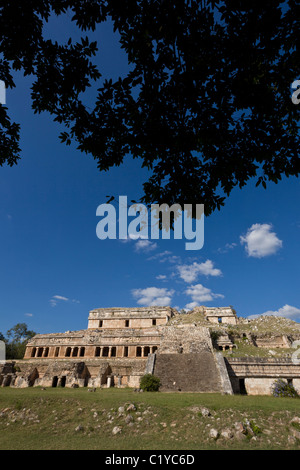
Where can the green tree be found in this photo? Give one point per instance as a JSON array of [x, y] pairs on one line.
[[206, 104], [16, 340]]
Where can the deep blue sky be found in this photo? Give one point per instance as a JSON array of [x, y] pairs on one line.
[[54, 269]]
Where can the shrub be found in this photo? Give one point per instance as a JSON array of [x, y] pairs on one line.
[[150, 383], [280, 388], [256, 430], [215, 335]]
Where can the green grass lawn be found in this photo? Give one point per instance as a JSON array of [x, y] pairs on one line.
[[38, 419]]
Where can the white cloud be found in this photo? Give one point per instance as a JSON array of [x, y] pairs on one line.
[[189, 273], [161, 277], [145, 245], [130, 237], [199, 294], [191, 305], [153, 296], [228, 246], [56, 298], [28, 314], [287, 311], [60, 298], [164, 256], [260, 241]]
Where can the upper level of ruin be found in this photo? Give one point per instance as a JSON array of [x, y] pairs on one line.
[[140, 317], [221, 315], [218, 315]]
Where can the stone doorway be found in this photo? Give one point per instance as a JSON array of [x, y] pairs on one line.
[[63, 381], [242, 387], [54, 381]]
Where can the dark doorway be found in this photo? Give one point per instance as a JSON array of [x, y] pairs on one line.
[[68, 352], [40, 352], [75, 352], [63, 381], [113, 352], [33, 376], [138, 351], [54, 381], [243, 390], [82, 352]]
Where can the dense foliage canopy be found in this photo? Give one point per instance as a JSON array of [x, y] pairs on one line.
[[206, 104]]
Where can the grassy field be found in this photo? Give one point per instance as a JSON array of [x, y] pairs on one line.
[[69, 419]]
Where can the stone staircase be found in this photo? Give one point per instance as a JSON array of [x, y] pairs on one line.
[[194, 372]]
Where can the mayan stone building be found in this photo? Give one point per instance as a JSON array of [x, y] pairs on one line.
[[120, 345]]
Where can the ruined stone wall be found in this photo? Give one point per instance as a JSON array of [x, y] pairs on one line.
[[258, 374], [223, 319], [184, 339], [224, 315], [112, 323], [143, 317], [185, 360], [276, 341], [32, 373], [190, 372], [90, 343]]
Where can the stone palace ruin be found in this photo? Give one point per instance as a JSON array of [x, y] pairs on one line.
[[194, 352]]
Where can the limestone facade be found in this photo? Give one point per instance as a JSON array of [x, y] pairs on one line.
[[120, 345], [143, 317], [255, 375], [220, 315], [111, 333]]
